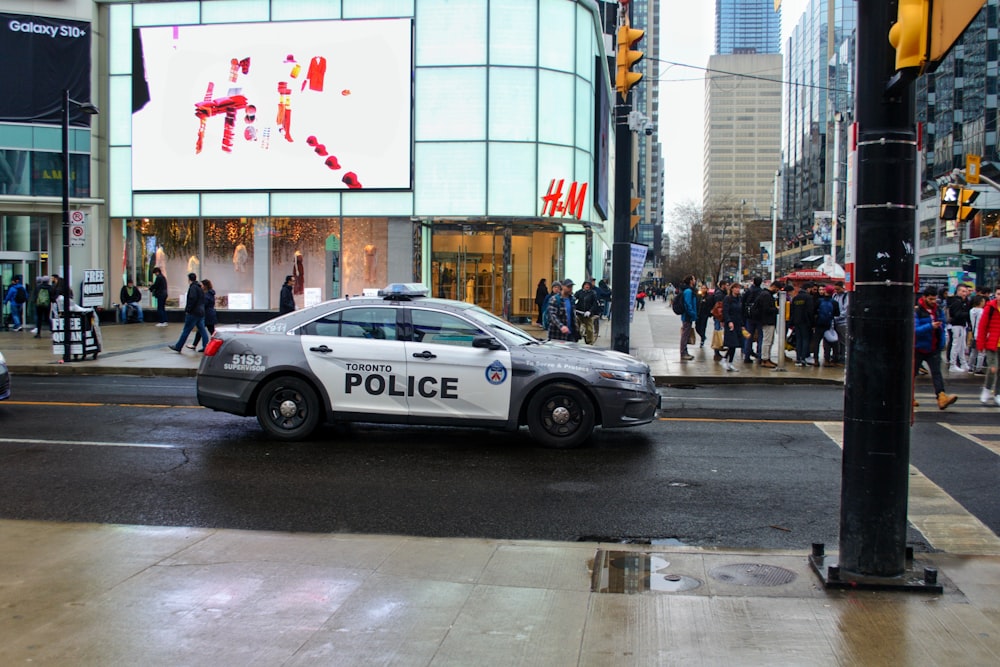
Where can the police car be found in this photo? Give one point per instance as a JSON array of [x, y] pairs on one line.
[[404, 358]]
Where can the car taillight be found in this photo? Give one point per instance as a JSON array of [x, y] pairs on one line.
[[213, 347]]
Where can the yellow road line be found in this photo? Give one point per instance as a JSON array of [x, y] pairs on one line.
[[736, 420], [100, 405]]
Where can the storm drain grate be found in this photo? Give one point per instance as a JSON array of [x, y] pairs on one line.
[[752, 574]]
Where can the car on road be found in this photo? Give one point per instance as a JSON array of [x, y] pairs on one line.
[[405, 358], [4, 379]]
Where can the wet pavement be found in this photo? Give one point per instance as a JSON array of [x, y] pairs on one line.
[[89, 594]]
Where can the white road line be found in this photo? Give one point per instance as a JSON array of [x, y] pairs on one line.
[[86, 443]]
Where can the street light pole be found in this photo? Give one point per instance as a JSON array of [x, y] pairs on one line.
[[774, 224], [88, 108]]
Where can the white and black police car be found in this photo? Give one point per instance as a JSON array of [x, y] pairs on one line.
[[404, 358]]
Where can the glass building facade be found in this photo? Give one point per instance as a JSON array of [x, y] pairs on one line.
[[490, 168], [747, 26]]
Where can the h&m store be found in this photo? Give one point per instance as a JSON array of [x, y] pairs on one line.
[[464, 144]]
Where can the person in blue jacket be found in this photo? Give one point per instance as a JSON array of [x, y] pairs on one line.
[[930, 338], [690, 315]]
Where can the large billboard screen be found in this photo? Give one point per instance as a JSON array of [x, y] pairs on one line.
[[315, 105], [42, 58]]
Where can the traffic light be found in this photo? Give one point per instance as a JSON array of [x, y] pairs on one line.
[[634, 204], [966, 211], [951, 195], [626, 78], [909, 35]]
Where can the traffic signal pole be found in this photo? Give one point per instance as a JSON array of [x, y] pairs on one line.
[[621, 248], [878, 386]]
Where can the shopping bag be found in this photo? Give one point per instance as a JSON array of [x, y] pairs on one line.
[[718, 340]]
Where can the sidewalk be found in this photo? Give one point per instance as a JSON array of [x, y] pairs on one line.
[[93, 594], [654, 335]]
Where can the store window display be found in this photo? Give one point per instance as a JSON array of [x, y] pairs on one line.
[[326, 257]]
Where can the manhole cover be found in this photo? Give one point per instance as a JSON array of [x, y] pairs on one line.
[[672, 583], [752, 574]]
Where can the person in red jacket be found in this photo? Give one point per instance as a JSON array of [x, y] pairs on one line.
[[988, 340]]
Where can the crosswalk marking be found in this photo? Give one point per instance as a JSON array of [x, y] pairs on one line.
[[941, 519]]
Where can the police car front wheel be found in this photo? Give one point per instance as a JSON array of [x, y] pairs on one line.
[[288, 408], [560, 415]]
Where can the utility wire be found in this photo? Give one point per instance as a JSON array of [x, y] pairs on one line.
[[744, 76]]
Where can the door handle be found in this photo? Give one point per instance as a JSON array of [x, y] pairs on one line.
[[322, 348], [425, 355]]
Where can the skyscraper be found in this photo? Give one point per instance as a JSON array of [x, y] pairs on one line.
[[747, 26], [742, 120]]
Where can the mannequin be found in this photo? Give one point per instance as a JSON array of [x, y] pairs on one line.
[[298, 274], [240, 257], [161, 260], [470, 290], [371, 260]]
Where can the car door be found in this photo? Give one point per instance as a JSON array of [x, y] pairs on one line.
[[450, 377], [355, 353]]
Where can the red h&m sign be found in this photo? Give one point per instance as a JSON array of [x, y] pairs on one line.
[[572, 204]]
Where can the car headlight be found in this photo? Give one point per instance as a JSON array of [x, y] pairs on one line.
[[624, 376], [2, 360]]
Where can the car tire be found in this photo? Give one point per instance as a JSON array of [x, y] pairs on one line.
[[288, 409], [560, 415]]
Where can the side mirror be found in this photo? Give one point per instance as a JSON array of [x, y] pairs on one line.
[[488, 342]]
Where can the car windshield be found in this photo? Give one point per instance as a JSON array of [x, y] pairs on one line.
[[504, 330]]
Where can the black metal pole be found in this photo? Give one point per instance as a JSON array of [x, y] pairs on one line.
[[621, 249], [65, 226], [878, 387]]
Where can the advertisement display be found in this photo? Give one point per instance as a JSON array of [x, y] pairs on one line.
[[321, 105], [43, 57]]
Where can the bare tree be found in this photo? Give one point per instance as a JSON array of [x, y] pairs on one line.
[[703, 243]]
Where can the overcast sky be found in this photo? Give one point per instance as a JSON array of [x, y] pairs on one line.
[[688, 37]]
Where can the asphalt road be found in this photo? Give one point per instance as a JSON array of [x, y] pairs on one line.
[[730, 466]]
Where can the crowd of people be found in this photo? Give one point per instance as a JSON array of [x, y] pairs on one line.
[[572, 315], [964, 327]]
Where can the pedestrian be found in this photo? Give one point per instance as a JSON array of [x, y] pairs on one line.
[[732, 324], [958, 321], [802, 322], [211, 315], [765, 311], [749, 323], [987, 341], [640, 299], [555, 291], [703, 306], [718, 296], [130, 295], [977, 358], [563, 324], [42, 298], [690, 301], [930, 338], [843, 299], [826, 314], [604, 297], [194, 313], [815, 334], [541, 298], [15, 299], [159, 292], [587, 309], [286, 300]]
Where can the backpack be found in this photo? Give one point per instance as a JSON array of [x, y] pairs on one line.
[[678, 304], [44, 297], [825, 315], [20, 295]]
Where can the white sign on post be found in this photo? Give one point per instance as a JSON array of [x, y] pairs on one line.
[[77, 230], [93, 288]]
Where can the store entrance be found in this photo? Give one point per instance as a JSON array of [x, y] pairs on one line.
[[467, 265]]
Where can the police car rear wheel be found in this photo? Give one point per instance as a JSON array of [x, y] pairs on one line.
[[560, 415], [288, 409]]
